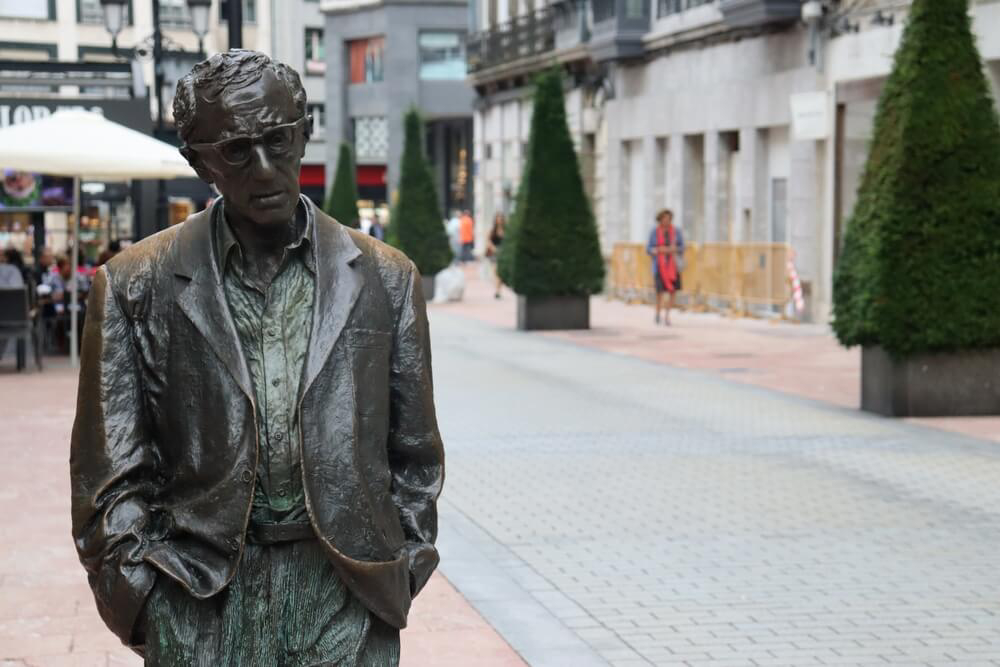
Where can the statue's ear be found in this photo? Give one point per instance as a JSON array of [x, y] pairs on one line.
[[199, 167], [307, 131]]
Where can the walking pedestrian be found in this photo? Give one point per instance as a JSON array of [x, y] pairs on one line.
[[467, 235], [377, 230], [666, 247], [493, 248], [452, 226]]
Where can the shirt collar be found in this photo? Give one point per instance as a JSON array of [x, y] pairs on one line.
[[226, 241]]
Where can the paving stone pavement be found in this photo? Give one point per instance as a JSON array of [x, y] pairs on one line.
[[47, 613], [663, 516]]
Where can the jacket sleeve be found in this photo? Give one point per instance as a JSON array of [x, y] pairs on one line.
[[416, 454], [111, 466]]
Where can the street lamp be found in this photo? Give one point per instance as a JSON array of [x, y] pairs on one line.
[[114, 19], [200, 12]]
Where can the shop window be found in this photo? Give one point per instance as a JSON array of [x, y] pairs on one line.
[[318, 113], [27, 9], [371, 138], [442, 56], [366, 59], [315, 59]]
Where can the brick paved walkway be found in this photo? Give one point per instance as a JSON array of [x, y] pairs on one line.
[[47, 614]]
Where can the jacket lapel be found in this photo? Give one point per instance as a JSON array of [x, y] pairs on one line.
[[338, 285], [202, 299]]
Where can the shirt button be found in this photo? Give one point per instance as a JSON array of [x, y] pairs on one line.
[[279, 437], [275, 382], [272, 333], [282, 493]]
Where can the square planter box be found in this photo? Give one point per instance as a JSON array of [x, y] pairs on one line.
[[540, 313], [965, 383]]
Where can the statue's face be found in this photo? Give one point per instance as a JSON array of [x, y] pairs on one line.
[[259, 179]]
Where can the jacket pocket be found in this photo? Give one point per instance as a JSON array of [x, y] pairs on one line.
[[369, 351]]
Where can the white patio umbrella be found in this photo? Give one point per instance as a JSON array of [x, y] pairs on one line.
[[87, 146]]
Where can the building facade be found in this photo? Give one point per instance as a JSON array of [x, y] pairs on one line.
[[64, 44], [750, 124], [382, 58], [297, 40], [73, 30]]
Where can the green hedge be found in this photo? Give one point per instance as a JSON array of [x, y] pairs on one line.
[[417, 227], [920, 269], [551, 247], [342, 202]]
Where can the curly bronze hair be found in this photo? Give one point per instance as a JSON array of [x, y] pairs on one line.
[[235, 68]]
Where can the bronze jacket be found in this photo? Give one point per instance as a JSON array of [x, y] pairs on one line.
[[164, 447]]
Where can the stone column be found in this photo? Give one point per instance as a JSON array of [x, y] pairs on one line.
[[648, 185], [805, 209], [714, 186]]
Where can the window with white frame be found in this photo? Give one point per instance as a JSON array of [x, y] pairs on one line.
[[26, 9], [315, 60], [174, 14], [249, 11], [318, 113], [667, 7], [442, 55], [90, 12]]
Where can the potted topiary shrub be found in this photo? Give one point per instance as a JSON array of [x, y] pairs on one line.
[[919, 275], [416, 226], [342, 202], [551, 256]]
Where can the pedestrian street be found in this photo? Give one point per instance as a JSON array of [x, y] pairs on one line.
[[600, 509]]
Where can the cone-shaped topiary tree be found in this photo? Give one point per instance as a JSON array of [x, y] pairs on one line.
[[417, 227], [920, 269], [342, 202], [551, 247]]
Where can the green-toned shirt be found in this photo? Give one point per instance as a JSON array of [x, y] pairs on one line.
[[273, 323]]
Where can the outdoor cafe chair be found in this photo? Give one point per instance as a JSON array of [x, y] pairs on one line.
[[19, 322]]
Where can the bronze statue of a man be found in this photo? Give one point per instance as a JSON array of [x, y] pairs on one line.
[[255, 460]]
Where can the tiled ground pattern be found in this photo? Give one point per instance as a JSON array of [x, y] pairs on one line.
[[669, 517]]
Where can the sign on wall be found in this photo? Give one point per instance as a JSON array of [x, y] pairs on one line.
[[132, 113], [810, 116]]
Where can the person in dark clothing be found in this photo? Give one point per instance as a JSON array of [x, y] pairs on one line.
[[493, 247]]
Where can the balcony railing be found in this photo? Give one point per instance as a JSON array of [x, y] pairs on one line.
[[524, 36]]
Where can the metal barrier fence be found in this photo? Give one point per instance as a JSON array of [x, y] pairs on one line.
[[735, 274]]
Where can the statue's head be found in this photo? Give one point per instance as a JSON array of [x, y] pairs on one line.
[[242, 119]]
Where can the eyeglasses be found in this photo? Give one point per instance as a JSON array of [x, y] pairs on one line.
[[237, 151]]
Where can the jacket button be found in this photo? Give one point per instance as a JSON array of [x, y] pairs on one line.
[[246, 476], [234, 544]]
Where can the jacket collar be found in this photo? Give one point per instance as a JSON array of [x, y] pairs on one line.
[[226, 242], [203, 301]]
